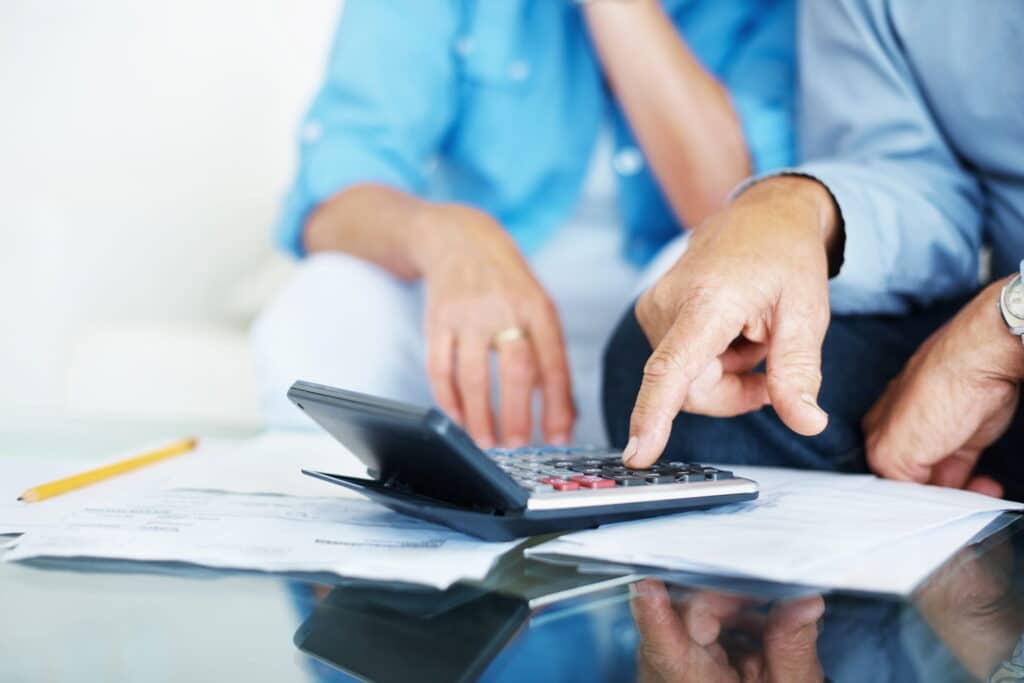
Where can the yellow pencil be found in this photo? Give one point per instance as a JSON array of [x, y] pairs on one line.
[[77, 481]]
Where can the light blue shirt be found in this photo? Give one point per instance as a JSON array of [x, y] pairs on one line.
[[913, 116], [498, 104]]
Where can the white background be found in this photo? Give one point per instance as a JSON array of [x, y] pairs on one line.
[[144, 148]]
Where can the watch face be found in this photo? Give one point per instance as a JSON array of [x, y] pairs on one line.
[[1015, 299]]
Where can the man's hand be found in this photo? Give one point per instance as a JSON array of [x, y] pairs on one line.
[[752, 285], [956, 396], [971, 605], [685, 641]]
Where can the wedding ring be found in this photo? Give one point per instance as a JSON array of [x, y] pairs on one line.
[[509, 334]]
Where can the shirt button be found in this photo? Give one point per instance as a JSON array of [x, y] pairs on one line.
[[312, 131], [628, 161], [518, 71], [464, 46]]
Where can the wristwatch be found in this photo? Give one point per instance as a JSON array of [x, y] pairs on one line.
[[1011, 303]]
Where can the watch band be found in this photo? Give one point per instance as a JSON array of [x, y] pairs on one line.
[[1011, 303]]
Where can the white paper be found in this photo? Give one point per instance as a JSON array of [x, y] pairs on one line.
[[814, 528], [270, 463], [273, 463], [353, 538], [19, 473], [899, 568]]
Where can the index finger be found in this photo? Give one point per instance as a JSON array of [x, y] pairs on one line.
[[699, 335], [661, 630]]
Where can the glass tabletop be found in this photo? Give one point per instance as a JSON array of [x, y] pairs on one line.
[[527, 621]]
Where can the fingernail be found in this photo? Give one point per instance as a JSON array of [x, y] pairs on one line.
[[630, 450], [643, 589], [807, 610], [813, 402]]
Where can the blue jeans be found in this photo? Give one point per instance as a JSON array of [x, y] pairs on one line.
[[860, 356]]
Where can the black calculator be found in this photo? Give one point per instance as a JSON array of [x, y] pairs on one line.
[[422, 464]]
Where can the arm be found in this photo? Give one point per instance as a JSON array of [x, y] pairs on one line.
[[388, 102], [702, 136], [912, 213], [373, 127]]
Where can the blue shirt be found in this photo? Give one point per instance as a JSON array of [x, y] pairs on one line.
[[913, 116], [498, 104]]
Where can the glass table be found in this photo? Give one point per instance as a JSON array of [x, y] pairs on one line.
[[527, 621]]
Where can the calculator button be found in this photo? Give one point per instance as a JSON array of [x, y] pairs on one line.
[[592, 482], [688, 477], [559, 463], [660, 479], [626, 480], [585, 469], [719, 474], [565, 486]]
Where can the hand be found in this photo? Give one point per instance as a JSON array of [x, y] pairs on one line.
[[753, 284], [478, 284], [972, 607], [686, 641], [955, 397]]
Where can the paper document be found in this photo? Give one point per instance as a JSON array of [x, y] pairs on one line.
[[18, 473], [813, 528], [353, 538], [273, 463], [270, 463]]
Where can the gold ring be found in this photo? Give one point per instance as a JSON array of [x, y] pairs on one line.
[[509, 334]]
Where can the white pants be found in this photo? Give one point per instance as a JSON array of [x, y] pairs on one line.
[[347, 323]]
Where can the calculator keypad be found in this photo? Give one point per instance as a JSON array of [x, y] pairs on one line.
[[554, 468]]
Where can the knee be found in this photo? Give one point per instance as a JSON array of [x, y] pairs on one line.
[[339, 321]]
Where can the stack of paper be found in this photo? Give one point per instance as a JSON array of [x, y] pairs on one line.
[[352, 538], [239, 505], [810, 528]]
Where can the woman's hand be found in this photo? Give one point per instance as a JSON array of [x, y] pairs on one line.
[[481, 296]]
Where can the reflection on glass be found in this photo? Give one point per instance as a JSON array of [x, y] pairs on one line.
[[713, 636]]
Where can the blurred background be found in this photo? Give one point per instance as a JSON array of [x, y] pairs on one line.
[[144, 149]]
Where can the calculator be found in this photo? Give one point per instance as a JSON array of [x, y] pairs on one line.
[[422, 464]]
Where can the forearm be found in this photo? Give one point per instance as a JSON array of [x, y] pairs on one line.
[[376, 223], [681, 115], [1002, 352]]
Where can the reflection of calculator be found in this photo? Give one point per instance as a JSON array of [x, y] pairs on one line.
[[424, 465]]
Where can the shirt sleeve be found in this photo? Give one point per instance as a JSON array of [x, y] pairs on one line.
[[913, 214], [383, 110], [761, 79]]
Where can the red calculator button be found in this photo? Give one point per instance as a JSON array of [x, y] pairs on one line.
[[592, 482], [562, 485]]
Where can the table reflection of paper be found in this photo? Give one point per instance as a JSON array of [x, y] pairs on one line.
[[353, 538], [814, 528]]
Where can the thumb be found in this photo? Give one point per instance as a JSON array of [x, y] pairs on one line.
[[794, 363], [954, 472], [791, 641]]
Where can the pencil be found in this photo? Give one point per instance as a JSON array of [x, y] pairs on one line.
[[77, 481]]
